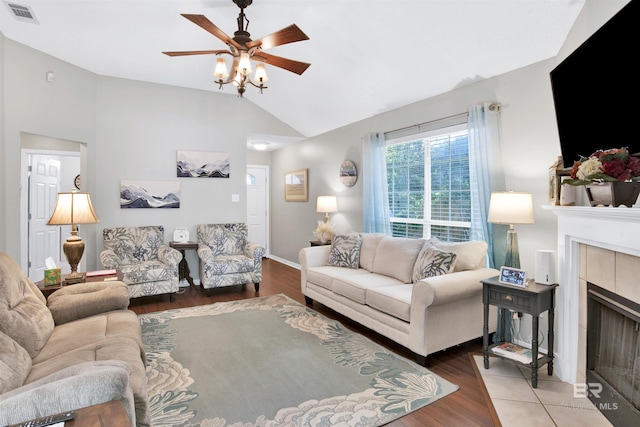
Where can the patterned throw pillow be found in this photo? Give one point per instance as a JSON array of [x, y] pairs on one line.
[[433, 262], [345, 250]]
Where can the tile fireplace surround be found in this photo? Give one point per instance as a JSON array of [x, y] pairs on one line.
[[601, 245]]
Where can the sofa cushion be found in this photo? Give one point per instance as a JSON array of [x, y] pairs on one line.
[[345, 251], [394, 300], [355, 287], [396, 256], [433, 262], [145, 271], [323, 276], [24, 315], [15, 364], [471, 255], [368, 249]]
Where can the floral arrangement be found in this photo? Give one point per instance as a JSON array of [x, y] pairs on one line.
[[611, 165], [324, 231]]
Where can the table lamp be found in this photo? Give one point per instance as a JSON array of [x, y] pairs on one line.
[[327, 204], [509, 207], [71, 209]]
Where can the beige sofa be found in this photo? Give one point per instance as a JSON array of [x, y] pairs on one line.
[[80, 348], [383, 285]]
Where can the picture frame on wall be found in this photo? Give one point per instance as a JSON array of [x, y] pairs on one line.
[[149, 194], [296, 186], [202, 164]]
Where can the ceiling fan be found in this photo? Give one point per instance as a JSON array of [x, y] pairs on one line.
[[243, 49]]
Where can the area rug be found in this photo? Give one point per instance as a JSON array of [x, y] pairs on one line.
[[271, 361]]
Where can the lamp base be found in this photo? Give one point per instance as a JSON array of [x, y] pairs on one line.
[[73, 278], [512, 258], [73, 249]]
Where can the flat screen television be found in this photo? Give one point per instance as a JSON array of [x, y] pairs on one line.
[[595, 89]]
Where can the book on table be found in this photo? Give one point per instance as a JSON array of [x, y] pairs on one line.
[[100, 273], [515, 352]]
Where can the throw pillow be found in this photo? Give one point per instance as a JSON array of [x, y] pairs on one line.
[[433, 262], [345, 250], [396, 256], [15, 364], [471, 255]]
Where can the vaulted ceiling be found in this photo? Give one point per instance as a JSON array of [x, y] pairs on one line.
[[367, 56]]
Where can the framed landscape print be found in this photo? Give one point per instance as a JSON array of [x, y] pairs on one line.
[[296, 186], [149, 194], [202, 164]]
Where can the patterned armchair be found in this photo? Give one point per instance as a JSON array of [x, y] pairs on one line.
[[149, 267], [226, 257]]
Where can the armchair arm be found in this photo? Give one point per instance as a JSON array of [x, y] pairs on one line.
[[205, 253], [170, 256], [77, 386], [254, 251], [110, 260], [86, 299]]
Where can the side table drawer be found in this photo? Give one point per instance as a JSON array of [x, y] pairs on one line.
[[509, 299]]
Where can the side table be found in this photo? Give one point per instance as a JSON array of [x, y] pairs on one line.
[[534, 300], [318, 243], [104, 414], [184, 271], [48, 290]]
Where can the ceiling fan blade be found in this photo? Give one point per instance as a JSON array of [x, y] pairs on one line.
[[286, 35], [280, 62], [203, 22], [196, 52]]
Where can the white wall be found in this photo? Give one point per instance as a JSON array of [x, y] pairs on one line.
[[529, 146], [132, 130]]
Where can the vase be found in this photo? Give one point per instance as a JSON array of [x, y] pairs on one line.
[[613, 193]]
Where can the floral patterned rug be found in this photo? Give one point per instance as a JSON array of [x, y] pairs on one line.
[[271, 361]]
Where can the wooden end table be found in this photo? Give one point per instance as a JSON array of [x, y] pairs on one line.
[[534, 300], [48, 290], [104, 414], [184, 271]]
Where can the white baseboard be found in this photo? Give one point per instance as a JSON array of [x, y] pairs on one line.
[[285, 262]]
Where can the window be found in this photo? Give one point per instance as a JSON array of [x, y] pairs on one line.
[[429, 184]]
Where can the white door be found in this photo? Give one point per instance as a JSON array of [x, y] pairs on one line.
[[258, 205], [44, 240]]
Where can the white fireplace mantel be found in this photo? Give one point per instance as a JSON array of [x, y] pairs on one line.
[[616, 229]]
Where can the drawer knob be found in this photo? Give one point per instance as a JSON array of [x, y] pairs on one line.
[[508, 298]]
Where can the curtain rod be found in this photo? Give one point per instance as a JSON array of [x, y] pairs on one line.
[[418, 127], [448, 120]]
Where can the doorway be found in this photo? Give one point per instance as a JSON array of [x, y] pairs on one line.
[[258, 205], [45, 172]]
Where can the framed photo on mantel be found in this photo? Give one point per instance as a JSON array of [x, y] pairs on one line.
[[296, 186]]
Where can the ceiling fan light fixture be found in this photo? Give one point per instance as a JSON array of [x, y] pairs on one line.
[[221, 72], [244, 65], [260, 77]]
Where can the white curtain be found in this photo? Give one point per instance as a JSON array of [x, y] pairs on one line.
[[375, 195], [485, 162]]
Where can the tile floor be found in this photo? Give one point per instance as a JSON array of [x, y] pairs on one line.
[[550, 404]]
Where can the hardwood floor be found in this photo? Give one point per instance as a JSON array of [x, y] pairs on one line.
[[466, 407]]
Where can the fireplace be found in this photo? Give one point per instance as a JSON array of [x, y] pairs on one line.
[[613, 355], [600, 245]]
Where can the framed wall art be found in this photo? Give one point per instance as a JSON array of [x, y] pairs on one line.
[[149, 194], [202, 164], [296, 186]]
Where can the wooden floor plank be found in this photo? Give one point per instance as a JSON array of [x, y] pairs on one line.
[[466, 407]]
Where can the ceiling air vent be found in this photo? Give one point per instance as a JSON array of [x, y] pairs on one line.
[[22, 13]]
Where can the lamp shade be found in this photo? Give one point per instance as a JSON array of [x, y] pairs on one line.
[[73, 208], [509, 207], [327, 204]]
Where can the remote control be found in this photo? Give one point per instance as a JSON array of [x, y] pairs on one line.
[[49, 419]]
